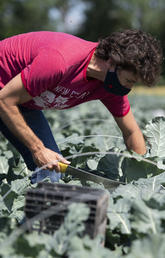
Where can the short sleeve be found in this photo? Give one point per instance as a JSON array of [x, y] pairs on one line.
[[118, 105], [43, 73]]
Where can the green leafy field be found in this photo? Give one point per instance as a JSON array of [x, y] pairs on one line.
[[136, 212]]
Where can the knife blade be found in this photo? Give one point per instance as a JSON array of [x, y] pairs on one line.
[[87, 176]]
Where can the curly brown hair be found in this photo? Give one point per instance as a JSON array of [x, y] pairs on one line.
[[135, 50]]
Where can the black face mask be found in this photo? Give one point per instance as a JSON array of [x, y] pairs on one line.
[[112, 84]]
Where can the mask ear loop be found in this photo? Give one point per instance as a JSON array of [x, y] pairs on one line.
[[116, 68]]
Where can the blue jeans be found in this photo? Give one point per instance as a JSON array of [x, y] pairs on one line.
[[38, 123]]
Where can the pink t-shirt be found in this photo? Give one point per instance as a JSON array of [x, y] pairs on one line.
[[53, 70]]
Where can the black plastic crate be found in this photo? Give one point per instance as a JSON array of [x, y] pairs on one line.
[[48, 196]]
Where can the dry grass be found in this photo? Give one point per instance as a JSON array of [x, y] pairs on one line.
[[143, 90]]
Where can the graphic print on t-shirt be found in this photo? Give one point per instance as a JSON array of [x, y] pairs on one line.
[[49, 100]]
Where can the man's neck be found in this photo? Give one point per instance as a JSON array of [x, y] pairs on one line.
[[97, 68]]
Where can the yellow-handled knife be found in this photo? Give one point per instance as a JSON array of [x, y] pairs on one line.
[[87, 176]]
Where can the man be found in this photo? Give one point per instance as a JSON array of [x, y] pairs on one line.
[[41, 70]]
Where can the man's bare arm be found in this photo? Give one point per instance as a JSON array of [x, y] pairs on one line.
[[132, 134], [11, 96]]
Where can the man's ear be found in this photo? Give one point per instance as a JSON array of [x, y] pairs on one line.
[[111, 65]]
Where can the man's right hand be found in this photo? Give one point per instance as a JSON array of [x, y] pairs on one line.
[[48, 158], [12, 95]]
